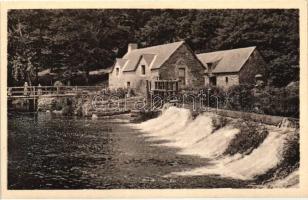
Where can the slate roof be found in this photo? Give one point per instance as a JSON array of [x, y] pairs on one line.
[[155, 55], [121, 61], [148, 58], [227, 60]]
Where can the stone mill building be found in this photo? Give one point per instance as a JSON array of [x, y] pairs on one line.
[[233, 67], [173, 61], [176, 61]]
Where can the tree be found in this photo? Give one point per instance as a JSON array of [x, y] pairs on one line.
[[84, 40]]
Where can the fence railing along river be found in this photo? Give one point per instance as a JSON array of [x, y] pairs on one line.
[[32, 92]]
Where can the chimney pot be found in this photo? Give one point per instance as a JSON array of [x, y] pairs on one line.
[[132, 46]]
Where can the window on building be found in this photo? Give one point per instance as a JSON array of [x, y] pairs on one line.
[[182, 76], [213, 81], [227, 80], [128, 84], [117, 71], [209, 65], [143, 69]]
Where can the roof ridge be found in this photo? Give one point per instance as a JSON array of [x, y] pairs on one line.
[[247, 57], [228, 50], [158, 45], [163, 52], [180, 44], [230, 60], [121, 59]]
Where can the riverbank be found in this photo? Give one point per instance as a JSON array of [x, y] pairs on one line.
[[89, 106]]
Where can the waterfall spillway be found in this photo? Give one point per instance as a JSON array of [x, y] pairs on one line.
[[199, 137]]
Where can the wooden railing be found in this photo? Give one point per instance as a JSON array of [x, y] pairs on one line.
[[165, 87], [36, 91]]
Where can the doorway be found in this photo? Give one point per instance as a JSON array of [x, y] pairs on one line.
[[182, 76]]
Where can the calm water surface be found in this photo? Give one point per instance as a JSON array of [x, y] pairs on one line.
[[56, 152]]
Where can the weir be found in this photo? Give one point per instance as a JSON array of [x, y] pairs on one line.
[[176, 128]]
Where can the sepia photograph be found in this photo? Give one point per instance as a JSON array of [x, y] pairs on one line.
[[153, 99]]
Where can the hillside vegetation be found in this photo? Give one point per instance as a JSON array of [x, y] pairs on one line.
[[84, 40]]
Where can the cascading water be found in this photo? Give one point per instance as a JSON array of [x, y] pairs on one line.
[[196, 137]]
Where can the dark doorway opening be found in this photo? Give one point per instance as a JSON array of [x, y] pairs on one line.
[[213, 81]]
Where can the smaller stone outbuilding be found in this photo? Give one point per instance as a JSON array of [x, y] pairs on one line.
[[233, 67]]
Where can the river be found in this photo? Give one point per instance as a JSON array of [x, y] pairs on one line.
[[56, 152]]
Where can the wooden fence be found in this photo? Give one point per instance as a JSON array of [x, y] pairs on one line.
[[36, 91]]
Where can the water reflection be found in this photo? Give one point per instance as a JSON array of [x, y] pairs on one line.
[[58, 152]]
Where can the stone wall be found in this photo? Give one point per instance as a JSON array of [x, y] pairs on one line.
[[183, 57], [116, 81], [262, 118], [233, 79], [254, 65], [136, 79]]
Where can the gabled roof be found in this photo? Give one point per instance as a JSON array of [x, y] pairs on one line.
[[148, 58], [156, 55], [228, 60], [121, 62]]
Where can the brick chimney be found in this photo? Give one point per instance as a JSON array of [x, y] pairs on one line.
[[132, 46]]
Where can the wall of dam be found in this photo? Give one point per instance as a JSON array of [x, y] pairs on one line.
[[236, 148]]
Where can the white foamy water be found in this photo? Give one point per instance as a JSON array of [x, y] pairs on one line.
[[195, 137], [214, 145], [171, 121], [263, 158], [193, 132]]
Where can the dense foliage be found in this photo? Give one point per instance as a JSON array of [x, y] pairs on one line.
[[250, 137], [91, 39], [268, 100]]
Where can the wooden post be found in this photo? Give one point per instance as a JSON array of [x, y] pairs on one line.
[[147, 89]]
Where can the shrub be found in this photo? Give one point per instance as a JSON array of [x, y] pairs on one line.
[[118, 92], [279, 101], [291, 153], [219, 122], [241, 98], [246, 98], [250, 137], [214, 96]]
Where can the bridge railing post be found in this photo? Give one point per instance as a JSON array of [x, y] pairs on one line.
[[39, 90]]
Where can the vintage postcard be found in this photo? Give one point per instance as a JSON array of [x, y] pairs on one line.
[[154, 99]]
